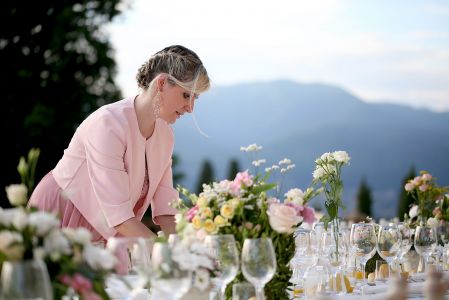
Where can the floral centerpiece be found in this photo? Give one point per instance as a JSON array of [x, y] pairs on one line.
[[76, 267], [429, 199], [244, 208]]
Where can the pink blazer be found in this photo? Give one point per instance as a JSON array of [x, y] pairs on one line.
[[103, 169]]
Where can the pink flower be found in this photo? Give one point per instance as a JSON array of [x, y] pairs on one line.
[[242, 178], [409, 186], [191, 213], [273, 200], [308, 214], [249, 225], [65, 279], [416, 181], [423, 187], [426, 177], [437, 213], [80, 283], [283, 218]]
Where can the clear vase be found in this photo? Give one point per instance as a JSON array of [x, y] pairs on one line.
[[27, 279]]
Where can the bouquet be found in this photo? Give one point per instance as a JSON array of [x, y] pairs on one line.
[[429, 197], [244, 208]]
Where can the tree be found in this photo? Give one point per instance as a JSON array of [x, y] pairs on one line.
[[405, 199], [57, 66], [233, 169], [177, 175], [206, 175], [364, 199]]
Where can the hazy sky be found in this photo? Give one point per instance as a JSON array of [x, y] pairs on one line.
[[380, 50]]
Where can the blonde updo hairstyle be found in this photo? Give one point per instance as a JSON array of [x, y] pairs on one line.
[[182, 67]]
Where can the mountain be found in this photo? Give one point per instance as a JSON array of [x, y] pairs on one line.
[[302, 121]]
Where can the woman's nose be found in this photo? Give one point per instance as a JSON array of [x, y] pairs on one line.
[[190, 106]]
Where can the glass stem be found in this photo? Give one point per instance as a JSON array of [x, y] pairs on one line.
[[259, 293], [363, 273], [222, 291]]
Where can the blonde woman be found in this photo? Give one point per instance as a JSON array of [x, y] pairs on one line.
[[118, 162]]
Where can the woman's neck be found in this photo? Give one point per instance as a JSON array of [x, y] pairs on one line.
[[143, 104]]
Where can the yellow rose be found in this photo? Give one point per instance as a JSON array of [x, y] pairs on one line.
[[209, 226], [202, 201], [220, 221], [227, 211], [196, 221], [206, 213]]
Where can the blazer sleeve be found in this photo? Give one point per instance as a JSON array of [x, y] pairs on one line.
[[105, 148], [165, 195]]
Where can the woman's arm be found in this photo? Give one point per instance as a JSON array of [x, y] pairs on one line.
[[133, 227]]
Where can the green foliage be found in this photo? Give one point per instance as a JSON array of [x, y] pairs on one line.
[[364, 199], [233, 168], [57, 67], [405, 199], [371, 263], [178, 176], [27, 169], [206, 175]]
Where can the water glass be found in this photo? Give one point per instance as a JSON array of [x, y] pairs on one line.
[[363, 243], [425, 241], [258, 263], [243, 291], [389, 243], [224, 251], [25, 280]]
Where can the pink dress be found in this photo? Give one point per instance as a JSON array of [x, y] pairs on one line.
[[102, 179]]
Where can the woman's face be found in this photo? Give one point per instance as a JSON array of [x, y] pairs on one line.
[[175, 102]]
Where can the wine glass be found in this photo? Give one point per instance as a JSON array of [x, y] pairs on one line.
[[168, 279], [133, 262], [406, 241], [425, 241], [389, 244], [224, 251], [258, 263], [27, 279], [363, 243]]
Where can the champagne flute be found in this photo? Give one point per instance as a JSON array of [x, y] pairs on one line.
[[425, 241], [389, 244], [363, 243], [224, 251], [258, 263]]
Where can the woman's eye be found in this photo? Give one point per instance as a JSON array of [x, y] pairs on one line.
[[186, 96]]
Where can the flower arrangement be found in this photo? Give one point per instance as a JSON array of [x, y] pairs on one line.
[[429, 198], [75, 265], [244, 208]]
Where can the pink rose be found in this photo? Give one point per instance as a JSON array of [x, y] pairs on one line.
[[416, 181], [426, 177], [242, 178], [423, 187], [308, 214], [437, 213], [409, 187], [90, 296], [283, 218], [80, 283]]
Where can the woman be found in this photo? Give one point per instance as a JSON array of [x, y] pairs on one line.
[[119, 159]]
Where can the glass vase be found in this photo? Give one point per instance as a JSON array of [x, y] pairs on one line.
[[27, 279]]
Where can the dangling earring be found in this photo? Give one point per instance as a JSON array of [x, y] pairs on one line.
[[157, 105]]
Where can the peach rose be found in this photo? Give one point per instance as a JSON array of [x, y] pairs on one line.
[[283, 218]]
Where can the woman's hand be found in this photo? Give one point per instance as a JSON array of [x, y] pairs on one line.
[[167, 223]]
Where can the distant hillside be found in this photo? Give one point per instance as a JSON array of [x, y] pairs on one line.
[[302, 121]]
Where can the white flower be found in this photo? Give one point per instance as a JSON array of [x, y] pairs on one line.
[[251, 148], [15, 217], [289, 167], [43, 222], [296, 196], [78, 235], [202, 279], [257, 163], [432, 222], [11, 244], [413, 211], [283, 170], [17, 194], [326, 157], [341, 156], [56, 242], [285, 161], [319, 173], [98, 258], [223, 186], [178, 218]]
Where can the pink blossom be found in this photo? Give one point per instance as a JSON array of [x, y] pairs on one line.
[[249, 225], [283, 218], [437, 213], [191, 213], [81, 283], [409, 186], [298, 208], [416, 181], [426, 177], [423, 187], [273, 200], [242, 178], [308, 214], [65, 279]]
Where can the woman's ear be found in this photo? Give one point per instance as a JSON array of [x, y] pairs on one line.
[[161, 79]]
